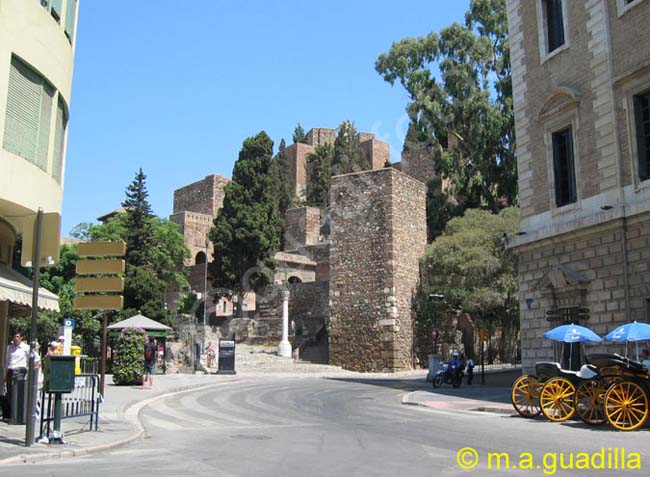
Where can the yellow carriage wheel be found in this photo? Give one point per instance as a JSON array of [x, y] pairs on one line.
[[589, 402], [556, 399], [525, 396], [626, 405]]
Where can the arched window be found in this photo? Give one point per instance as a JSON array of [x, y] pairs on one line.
[[200, 258], [294, 280]]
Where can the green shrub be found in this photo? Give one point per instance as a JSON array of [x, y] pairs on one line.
[[128, 364]]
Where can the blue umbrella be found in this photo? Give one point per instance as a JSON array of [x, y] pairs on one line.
[[630, 332], [572, 334]]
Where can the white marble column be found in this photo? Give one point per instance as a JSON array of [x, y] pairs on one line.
[[284, 348]]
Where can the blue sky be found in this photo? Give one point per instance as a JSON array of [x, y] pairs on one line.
[[175, 86]]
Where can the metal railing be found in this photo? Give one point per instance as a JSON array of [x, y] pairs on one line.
[[83, 401]]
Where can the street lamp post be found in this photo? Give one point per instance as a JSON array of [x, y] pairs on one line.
[[205, 294], [434, 359]]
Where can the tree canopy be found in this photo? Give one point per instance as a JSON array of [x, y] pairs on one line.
[[246, 232], [459, 81], [471, 267], [319, 166]]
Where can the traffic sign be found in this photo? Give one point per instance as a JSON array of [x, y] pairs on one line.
[[99, 284], [434, 333], [484, 334], [100, 267], [99, 302], [101, 249], [68, 322]]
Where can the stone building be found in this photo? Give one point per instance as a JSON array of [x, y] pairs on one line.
[[581, 87], [378, 236], [375, 153]]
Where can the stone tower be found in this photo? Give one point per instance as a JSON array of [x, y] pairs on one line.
[[378, 235]]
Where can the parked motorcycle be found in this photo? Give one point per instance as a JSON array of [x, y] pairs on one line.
[[450, 373]]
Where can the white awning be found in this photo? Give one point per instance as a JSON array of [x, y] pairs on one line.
[[16, 288]]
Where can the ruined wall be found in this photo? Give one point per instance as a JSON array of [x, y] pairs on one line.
[[375, 152], [297, 158], [317, 136], [378, 235]]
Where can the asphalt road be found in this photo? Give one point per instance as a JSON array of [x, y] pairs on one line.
[[308, 426]]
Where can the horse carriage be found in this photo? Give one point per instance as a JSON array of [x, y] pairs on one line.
[[609, 388]]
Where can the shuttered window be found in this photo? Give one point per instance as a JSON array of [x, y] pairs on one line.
[[59, 140], [642, 127], [55, 9], [70, 13], [564, 168], [29, 110]]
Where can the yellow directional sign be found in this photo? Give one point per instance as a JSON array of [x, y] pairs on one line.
[[105, 279], [99, 284], [101, 249], [99, 302], [100, 267]]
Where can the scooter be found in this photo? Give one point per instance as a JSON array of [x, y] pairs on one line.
[[450, 373]]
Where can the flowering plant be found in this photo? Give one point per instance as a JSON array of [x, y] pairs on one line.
[[129, 357]]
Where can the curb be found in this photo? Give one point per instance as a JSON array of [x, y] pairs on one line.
[[406, 400], [131, 413]]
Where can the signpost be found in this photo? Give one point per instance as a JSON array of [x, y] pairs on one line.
[[98, 291], [484, 338]]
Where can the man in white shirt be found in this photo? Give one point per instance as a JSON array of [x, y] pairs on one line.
[[17, 362]]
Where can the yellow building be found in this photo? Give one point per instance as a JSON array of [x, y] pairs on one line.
[[37, 43]]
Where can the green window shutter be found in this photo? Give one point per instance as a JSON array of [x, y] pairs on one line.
[[27, 121], [70, 18], [59, 135], [55, 8]]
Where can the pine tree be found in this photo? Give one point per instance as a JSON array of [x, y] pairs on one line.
[[246, 232], [282, 184], [139, 234], [319, 164]]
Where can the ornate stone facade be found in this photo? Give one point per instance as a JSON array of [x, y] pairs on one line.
[[378, 235]]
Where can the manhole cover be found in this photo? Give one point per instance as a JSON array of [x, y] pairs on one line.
[[257, 437]]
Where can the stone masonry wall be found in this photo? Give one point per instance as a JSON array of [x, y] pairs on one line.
[[598, 254], [204, 196], [378, 235], [302, 227]]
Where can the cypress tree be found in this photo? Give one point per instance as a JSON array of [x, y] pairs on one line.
[[246, 232]]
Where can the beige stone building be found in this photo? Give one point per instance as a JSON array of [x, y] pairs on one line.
[[581, 87], [37, 44]]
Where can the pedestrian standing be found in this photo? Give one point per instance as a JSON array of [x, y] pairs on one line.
[[470, 371], [16, 364], [150, 352]]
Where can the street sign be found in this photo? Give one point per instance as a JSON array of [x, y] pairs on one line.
[[100, 267], [99, 284], [484, 334], [101, 249], [68, 322], [98, 302]]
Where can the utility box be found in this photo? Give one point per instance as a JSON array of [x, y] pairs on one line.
[[227, 357], [59, 374]]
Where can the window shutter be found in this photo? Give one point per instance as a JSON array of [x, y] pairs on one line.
[[23, 112], [557, 170], [29, 108], [59, 136], [70, 12], [56, 8]]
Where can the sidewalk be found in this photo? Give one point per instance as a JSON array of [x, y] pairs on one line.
[[118, 420], [465, 398]]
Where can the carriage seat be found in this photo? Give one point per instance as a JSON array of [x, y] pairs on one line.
[[550, 369]]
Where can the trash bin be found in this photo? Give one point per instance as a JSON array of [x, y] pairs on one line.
[[227, 357], [18, 397]]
